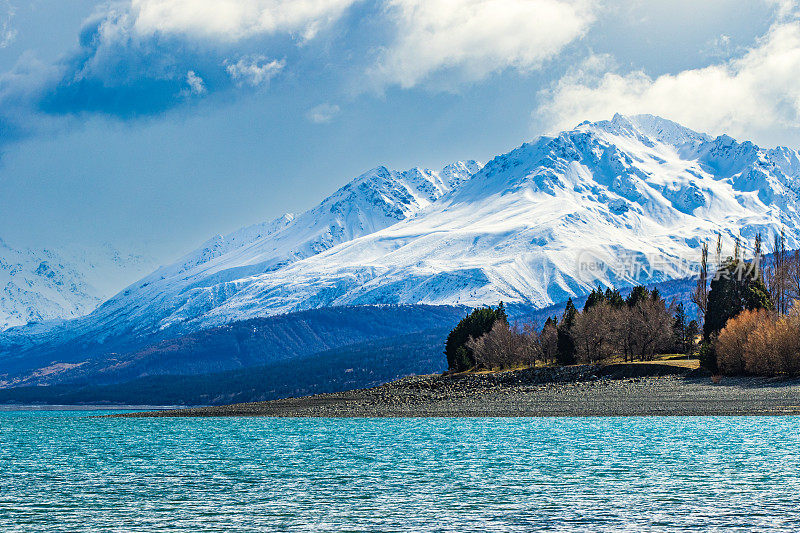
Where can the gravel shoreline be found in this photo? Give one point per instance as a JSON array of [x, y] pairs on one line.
[[584, 390]]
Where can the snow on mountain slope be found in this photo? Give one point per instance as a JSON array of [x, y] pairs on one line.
[[373, 201], [550, 220], [204, 279], [615, 202], [47, 284]]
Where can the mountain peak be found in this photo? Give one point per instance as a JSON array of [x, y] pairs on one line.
[[51, 284], [652, 128]]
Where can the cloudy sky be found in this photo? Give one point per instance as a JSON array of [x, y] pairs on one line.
[[160, 123]]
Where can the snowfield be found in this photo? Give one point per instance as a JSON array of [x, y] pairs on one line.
[[606, 193]]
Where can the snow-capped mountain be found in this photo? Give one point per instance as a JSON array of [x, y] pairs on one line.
[[181, 294], [47, 284], [552, 219], [616, 202]]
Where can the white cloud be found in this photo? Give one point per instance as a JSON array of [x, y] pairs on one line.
[[477, 37], [7, 31], [253, 71], [720, 47], [786, 8], [231, 20], [756, 92], [196, 84], [322, 113]]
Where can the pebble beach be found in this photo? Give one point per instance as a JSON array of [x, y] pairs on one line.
[[583, 390]]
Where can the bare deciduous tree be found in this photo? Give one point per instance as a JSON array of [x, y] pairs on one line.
[[651, 327], [594, 337], [507, 346], [778, 274], [637, 328], [634, 331], [700, 294], [548, 340]]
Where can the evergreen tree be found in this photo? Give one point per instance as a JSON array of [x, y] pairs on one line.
[[734, 289], [597, 296], [655, 295], [500, 313], [692, 332], [614, 298], [680, 329], [570, 313], [566, 343], [638, 294], [473, 326]]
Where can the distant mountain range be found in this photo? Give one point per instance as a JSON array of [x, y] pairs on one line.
[[521, 229], [41, 285]]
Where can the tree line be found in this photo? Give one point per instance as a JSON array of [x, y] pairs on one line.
[[636, 327]]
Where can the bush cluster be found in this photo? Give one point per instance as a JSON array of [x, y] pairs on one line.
[[760, 342]]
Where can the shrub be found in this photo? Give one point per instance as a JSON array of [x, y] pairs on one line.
[[708, 356], [734, 340], [760, 343], [789, 328], [774, 347]]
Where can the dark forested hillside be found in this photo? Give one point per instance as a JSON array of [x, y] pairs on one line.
[[242, 344], [356, 366]]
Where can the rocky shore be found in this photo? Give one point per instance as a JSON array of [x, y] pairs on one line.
[[583, 390]]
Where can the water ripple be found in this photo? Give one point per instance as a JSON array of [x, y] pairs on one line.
[[61, 471]]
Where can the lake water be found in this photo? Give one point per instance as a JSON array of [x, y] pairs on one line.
[[62, 471]]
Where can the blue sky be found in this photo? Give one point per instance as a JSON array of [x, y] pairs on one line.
[[160, 123]]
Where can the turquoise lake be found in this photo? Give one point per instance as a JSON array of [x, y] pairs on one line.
[[63, 471]]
